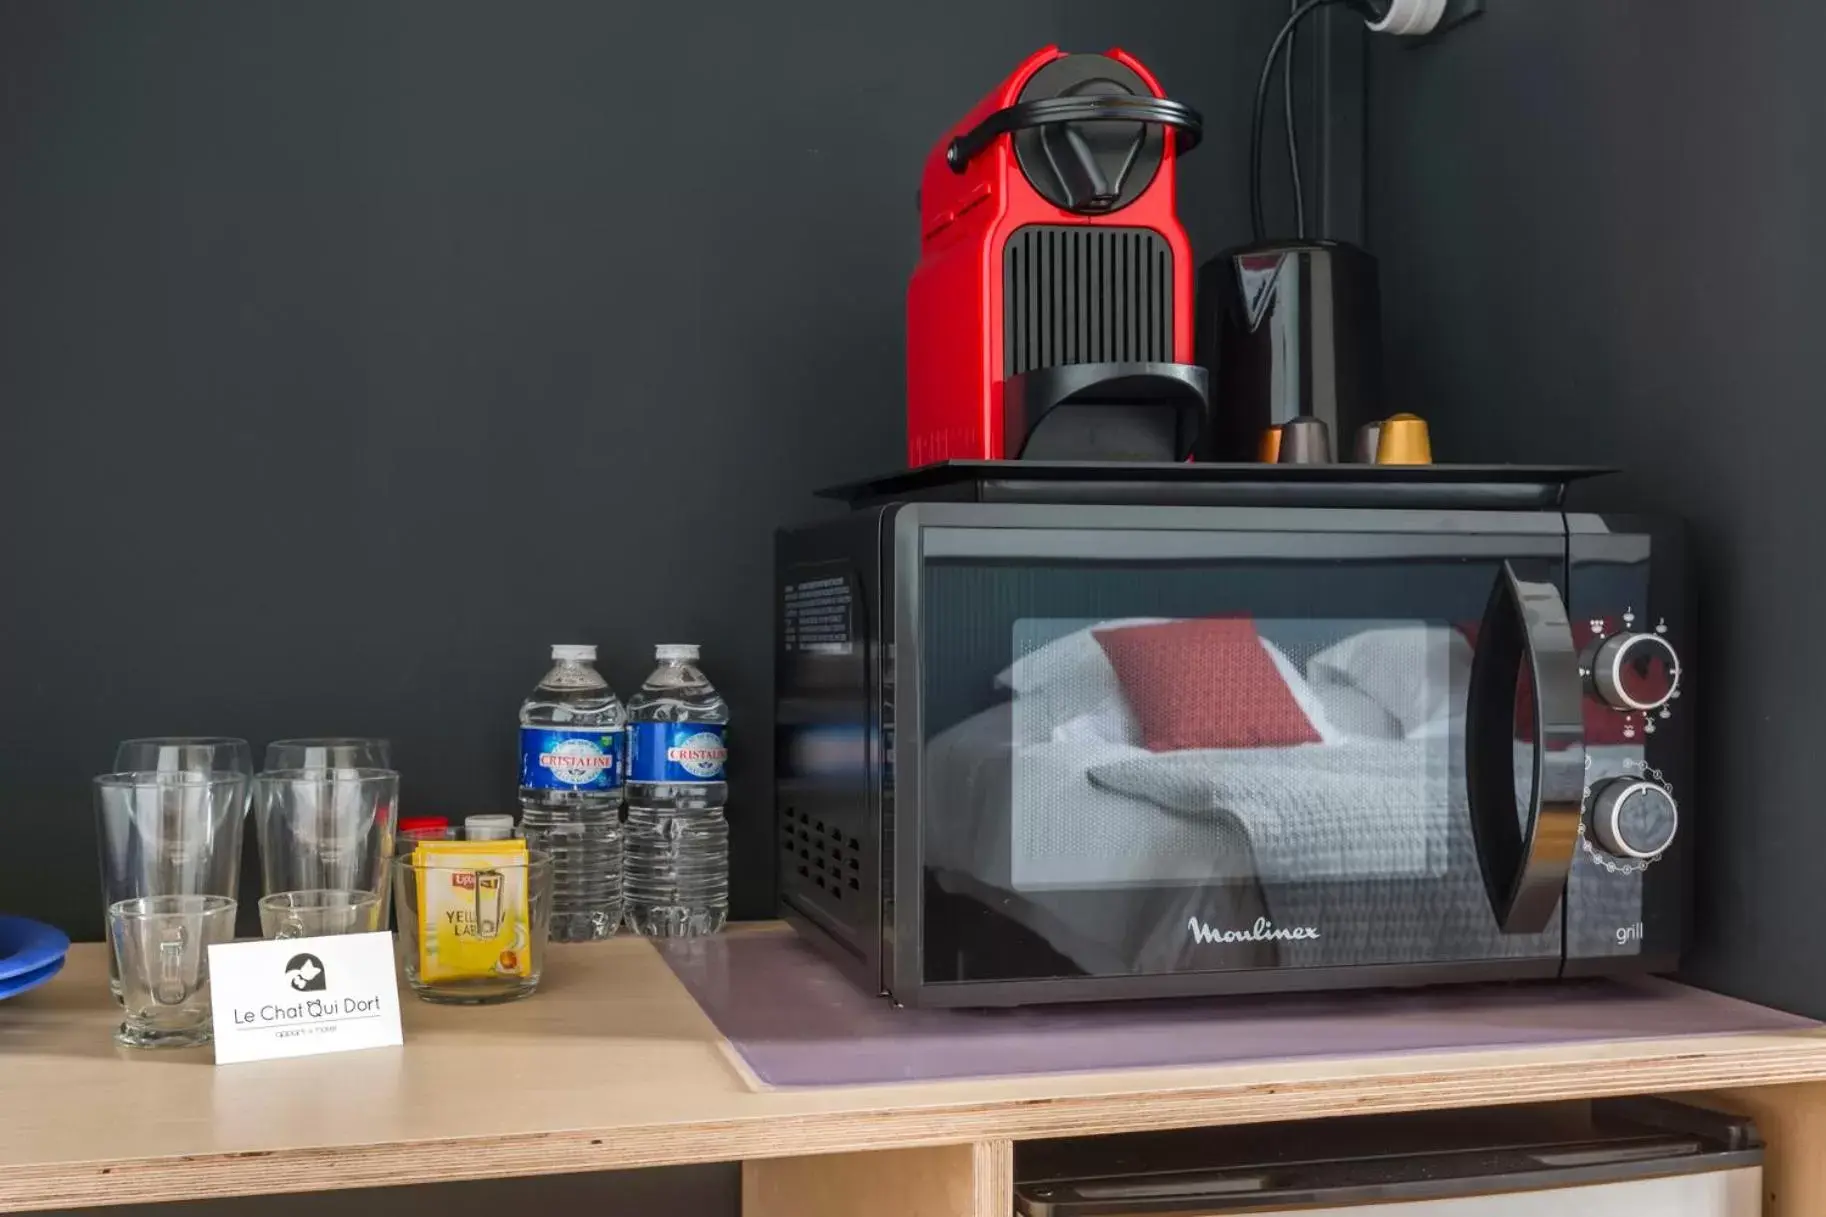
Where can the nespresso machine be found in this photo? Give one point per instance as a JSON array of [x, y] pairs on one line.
[[1051, 316]]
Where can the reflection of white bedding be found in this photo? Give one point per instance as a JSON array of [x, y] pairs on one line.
[[1026, 817], [1068, 832], [1418, 673], [1337, 812], [1020, 828]]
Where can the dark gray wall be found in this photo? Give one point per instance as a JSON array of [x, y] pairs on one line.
[[352, 353], [1600, 227]]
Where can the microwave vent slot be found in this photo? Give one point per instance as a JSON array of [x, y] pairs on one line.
[[820, 854]]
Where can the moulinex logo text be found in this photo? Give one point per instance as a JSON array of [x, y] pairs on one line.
[[1263, 930]]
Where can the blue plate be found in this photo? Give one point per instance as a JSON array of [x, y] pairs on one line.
[[30, 954]]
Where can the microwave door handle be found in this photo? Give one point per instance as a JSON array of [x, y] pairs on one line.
[[1525, 863]]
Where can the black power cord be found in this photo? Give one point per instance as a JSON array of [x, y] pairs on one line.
[[1372, 10], [1293, 129]]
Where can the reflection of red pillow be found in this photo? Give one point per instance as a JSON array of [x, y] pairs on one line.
[[1206, 683]]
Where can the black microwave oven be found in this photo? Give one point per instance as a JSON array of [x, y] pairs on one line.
[[1068, 751]]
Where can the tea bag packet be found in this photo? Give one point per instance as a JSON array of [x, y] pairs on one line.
[[472, 902]]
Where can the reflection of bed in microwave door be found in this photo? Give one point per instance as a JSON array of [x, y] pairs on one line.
[[1125, 914], [1371, 804], [1045, 806], [1218, 876]]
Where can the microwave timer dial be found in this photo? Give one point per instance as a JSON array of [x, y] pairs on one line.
[[1636, 672], [1635, 818]]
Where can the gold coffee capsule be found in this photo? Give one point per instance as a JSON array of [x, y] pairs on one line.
[[1270, 453], [1404, 441]]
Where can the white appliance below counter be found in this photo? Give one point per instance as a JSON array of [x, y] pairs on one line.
[[1610, 1158]]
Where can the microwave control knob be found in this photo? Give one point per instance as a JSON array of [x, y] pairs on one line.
[[1635, 818], [1636, 672]]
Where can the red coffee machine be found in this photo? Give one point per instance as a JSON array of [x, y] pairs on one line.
[[1051, 315]]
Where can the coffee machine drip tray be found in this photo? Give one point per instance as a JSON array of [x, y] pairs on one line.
[[1449, 487]]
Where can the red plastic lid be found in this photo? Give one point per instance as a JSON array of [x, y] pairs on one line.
[[418, 823]]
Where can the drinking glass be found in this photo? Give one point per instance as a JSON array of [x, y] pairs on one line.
[[307, 914], [413, 829], [522, 958], [184, 753], [326, 829], [161, 948], [345, 752], [171, 832]]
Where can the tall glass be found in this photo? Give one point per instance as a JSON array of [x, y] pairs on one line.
[[181, 754], [339, 752], [327, 830], [168, 833], [187, 753], [184, 753]]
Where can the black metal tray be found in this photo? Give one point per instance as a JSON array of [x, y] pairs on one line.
[[1460, 487]]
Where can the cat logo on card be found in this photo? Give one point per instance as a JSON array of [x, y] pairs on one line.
[[305, 974]]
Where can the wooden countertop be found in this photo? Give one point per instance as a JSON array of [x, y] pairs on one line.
[[612, 1065]]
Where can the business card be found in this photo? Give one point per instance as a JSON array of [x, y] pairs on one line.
[[303, 996]]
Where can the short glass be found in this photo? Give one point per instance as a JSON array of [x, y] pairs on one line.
[[331, 752], [506, 983], [161, 948], [308, 914]]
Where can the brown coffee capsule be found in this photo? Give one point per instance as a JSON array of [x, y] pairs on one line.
[[1271, 446], [1369, 438], [1404, 441], [1305, 441]]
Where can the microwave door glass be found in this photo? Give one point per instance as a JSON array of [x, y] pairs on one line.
[[1174, 767]]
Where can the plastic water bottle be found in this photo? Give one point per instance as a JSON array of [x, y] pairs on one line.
[[678, 841], [572, 735]]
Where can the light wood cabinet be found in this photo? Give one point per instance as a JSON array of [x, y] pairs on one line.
[[612, 1066]]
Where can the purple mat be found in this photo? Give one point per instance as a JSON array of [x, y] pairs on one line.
[[797, 1021]]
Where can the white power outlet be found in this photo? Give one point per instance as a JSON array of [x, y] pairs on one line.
[[1411, 18]]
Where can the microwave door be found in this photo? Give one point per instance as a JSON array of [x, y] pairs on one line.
[[1525, 682], [1145, 749]]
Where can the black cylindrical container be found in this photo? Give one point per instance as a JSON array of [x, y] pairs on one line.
[[1287, 329]]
